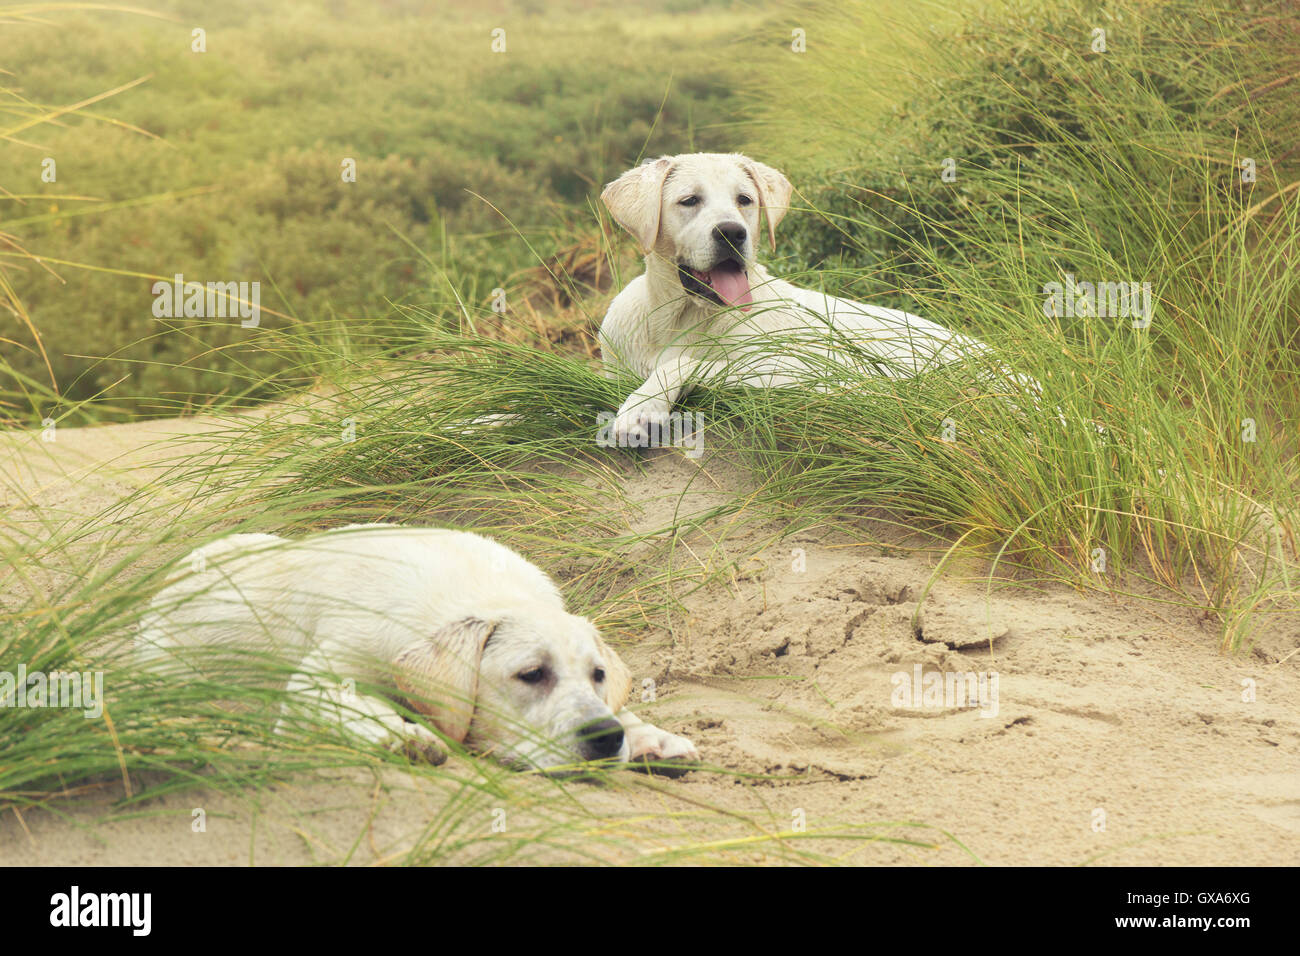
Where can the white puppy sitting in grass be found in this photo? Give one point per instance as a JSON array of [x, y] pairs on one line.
[[458, 627], [705, 307]]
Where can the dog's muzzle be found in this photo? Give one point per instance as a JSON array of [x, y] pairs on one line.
[[726, 283]]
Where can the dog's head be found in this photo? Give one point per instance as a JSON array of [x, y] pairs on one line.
[[701, 211], [534, 690]]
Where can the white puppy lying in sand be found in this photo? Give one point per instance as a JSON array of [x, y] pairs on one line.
[[695, 312], [461, 628]]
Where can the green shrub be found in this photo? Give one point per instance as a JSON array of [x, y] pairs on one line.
[[442, 131]]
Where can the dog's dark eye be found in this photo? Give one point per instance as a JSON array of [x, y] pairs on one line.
[[598, 674], [743, 200], [688, 201], [533, 676]]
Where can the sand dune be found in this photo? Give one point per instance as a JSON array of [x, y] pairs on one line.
[[1119, 733]]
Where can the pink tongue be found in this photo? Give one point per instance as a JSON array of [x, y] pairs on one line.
[[731, 285]]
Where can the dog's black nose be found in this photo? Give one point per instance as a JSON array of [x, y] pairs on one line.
[[730, 234], [601, 740]]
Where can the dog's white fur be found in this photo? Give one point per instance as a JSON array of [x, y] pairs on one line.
[[445, 620], [672, 337]]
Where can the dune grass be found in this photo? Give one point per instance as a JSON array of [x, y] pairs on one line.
[[1160, 153]]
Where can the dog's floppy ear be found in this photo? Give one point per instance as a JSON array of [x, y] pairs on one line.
[[618, 679], [439, 675], [634, 199], [773, 194]]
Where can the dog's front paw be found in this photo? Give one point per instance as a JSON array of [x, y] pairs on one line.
[[642, 423], [392, 733], [419, 744], [647, 742]]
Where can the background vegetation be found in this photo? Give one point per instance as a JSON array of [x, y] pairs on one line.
[[226, 165]]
